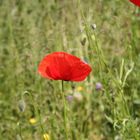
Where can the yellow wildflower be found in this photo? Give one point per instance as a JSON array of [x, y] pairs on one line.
[[46, 136], [80, 88], [32, 120]]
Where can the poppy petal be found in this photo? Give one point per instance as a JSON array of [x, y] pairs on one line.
[[43, 67], [136, 2], [48, 68], [63, 66], [81, 70]]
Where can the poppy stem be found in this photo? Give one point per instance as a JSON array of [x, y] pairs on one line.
[[65, 114], [62, 86]]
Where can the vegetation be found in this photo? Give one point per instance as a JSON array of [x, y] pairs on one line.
[[106, 106]]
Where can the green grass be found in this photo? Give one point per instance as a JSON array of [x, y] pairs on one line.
[[30, 29]]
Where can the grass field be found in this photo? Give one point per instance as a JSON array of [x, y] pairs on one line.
[[31, 107]]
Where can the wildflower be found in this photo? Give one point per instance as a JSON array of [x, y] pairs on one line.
[[32, 120], [80, 88], [99, 86], [46, 136], [63, 66], [69, 98], [22, 105], [136, 2], [78, 96]]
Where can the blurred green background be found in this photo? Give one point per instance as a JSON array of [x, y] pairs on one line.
[[31, 106]]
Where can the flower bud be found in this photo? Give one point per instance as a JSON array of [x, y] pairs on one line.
[[21, 105]]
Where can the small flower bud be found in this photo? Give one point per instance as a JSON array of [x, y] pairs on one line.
[[22, 105], [93, 26]]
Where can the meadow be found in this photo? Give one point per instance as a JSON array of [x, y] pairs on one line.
[[105, 34]]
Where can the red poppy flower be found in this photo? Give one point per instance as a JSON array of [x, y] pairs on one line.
[[63, 66], [136, 2]]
